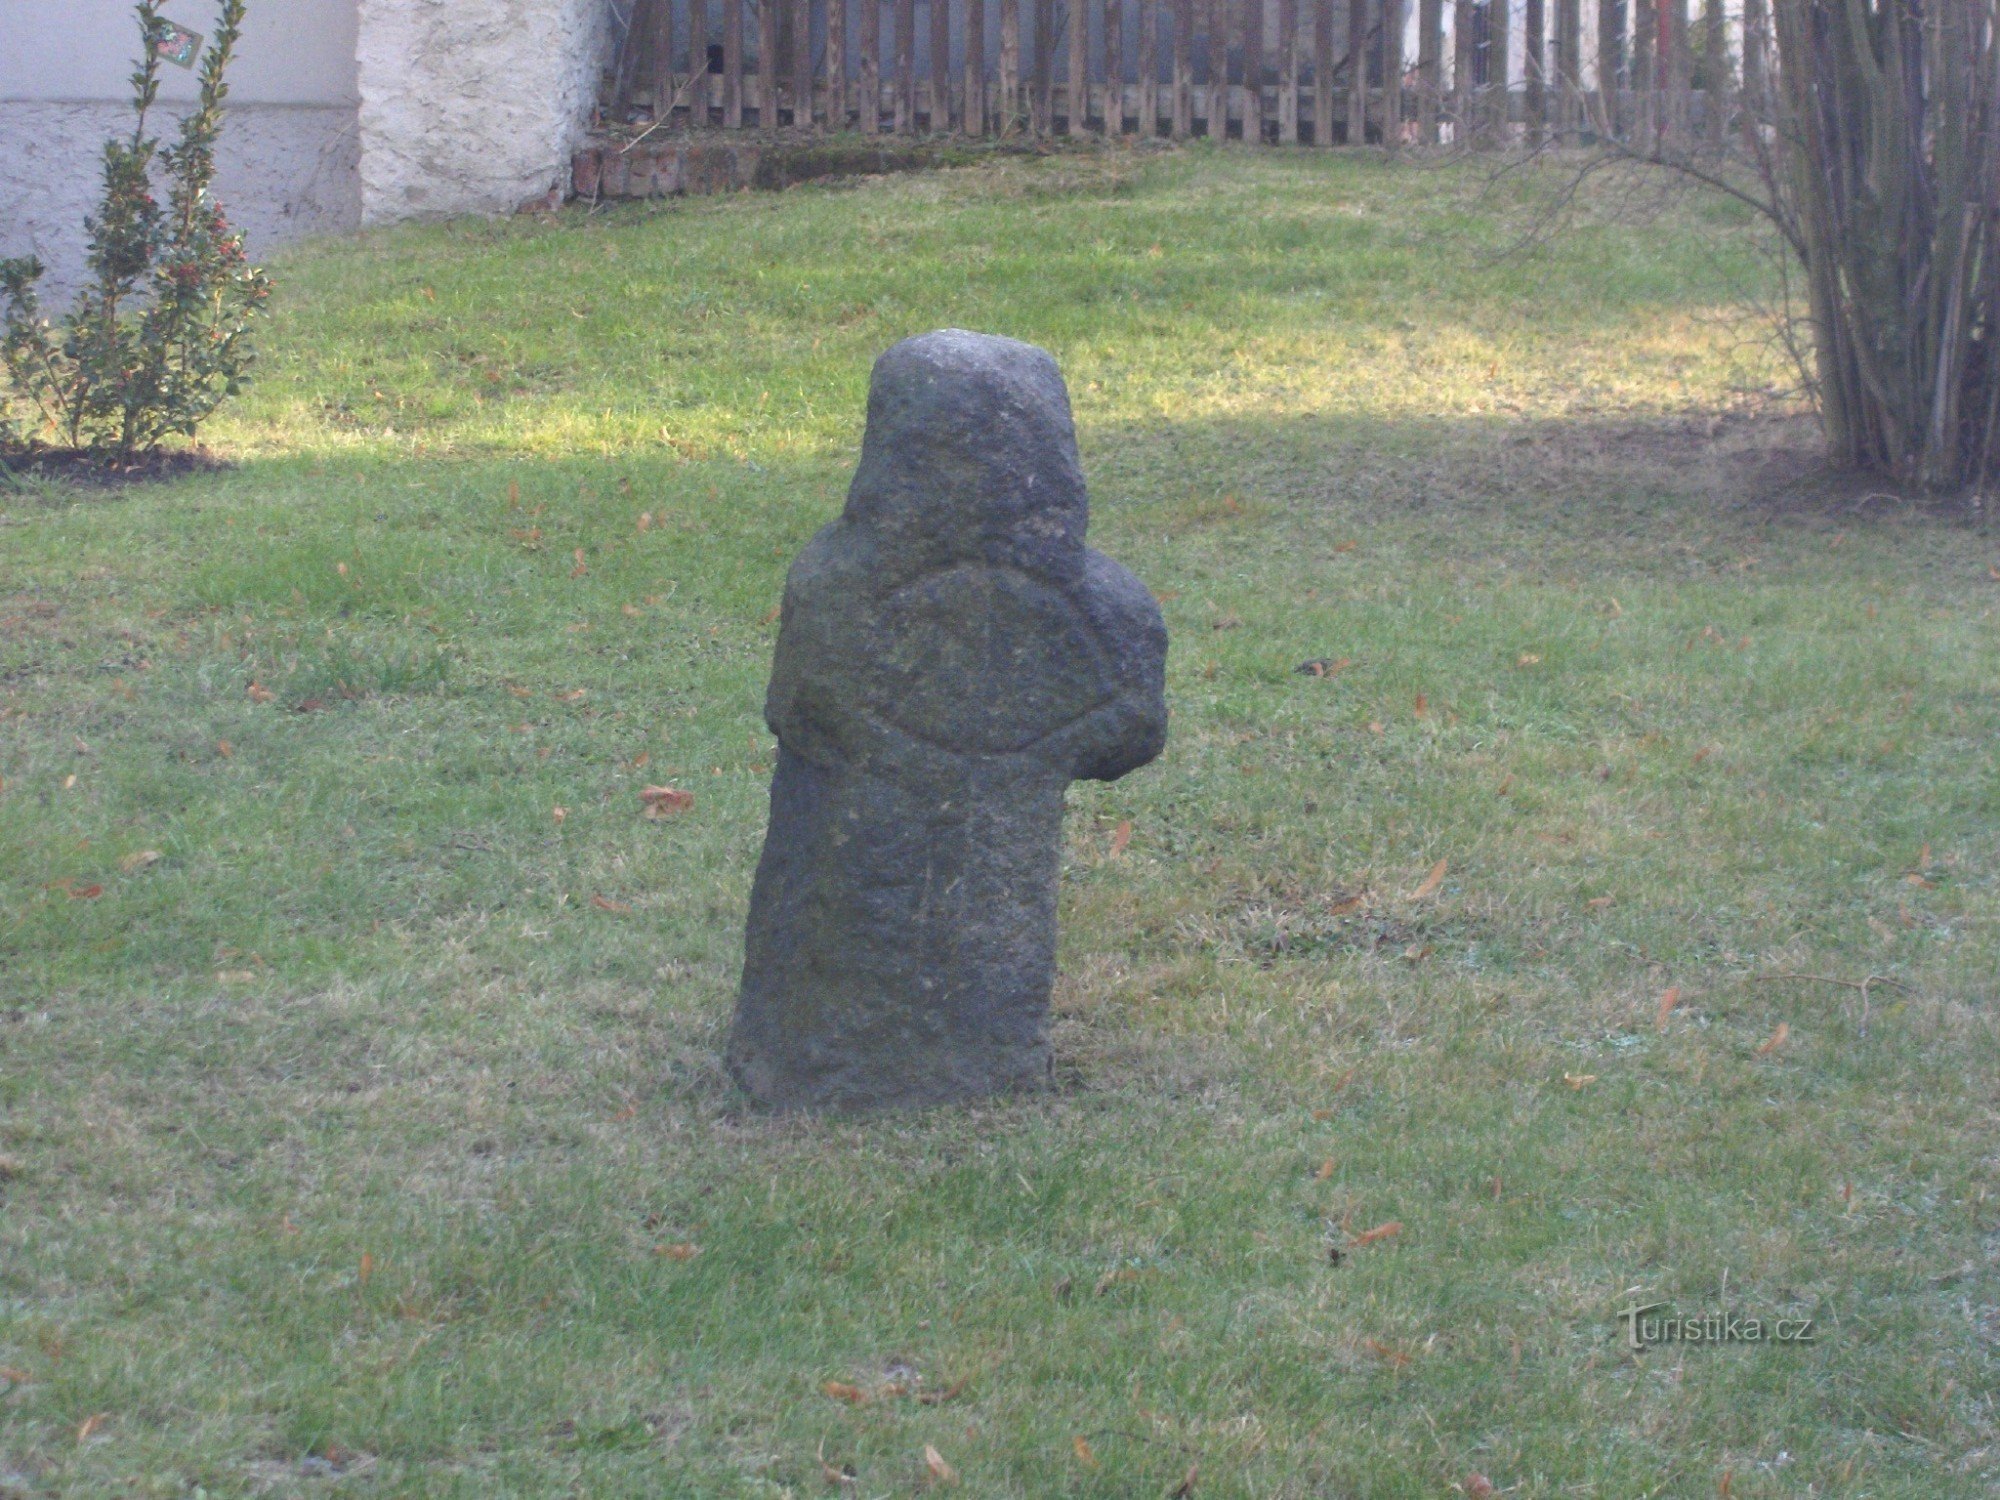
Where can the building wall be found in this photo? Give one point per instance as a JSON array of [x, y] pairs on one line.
[[288, 163], [472, 106]]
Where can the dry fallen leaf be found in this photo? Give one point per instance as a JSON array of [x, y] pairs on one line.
[[1325, 1170], [1120, 837], [1775, 1040], [1119, 1277], [771, 614], [839, 1478], [1431, 881], [1083, 1454], [1703, 753], [224, 749], [559, 814], [645, 520], [840, 1390], [605, 903], [17, 1377], [1667, 1003], [260, 694], [1347, 904], [84, 893], [1382, 1351], [1423, 706], [950, 1393], [1598, 903], [138, 860], [688, 1250], [665, 801], [938, 1469], [1477, 1487], [1527, 659], [581, 567], [1185, 1489], [88, 1426], [1579, 1080], [1386, 1231], [367, 1266], [576, 695]]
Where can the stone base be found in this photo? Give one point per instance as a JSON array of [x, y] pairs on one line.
[[666, 165]]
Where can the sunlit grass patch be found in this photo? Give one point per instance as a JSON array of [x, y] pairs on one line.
[[361, 1116]]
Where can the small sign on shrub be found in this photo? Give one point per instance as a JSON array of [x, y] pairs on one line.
[[176, 44]]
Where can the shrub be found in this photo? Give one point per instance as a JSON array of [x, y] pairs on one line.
[[160, 334]]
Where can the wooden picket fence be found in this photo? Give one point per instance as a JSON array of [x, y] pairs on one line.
[[1329, 72]]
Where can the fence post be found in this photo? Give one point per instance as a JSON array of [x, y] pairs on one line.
[[732, 64], [1042, 106], [868, 69], [1715, 83], [767, 63], [1288, 71], [1430, 68], [836, 64], [1569, 76], [1461, 73], [1150, 12], [1392, 73], [1180, 50], [1680, 76], [1357, 72], [1076, 85], [1217, 54], [1756, 38], [661, 37], [1114, 65], [972, 116], [1534, 58], [1251, 47], [903, 100]]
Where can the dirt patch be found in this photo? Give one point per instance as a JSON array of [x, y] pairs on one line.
[[88, 469]]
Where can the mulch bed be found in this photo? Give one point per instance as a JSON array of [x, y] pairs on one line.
[[95, 470]]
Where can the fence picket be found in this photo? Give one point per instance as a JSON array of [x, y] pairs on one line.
[[1392, 73], [868, 69], [972, 107], [1076, 71]]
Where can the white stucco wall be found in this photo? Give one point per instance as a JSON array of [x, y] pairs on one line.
[[472, 106], [288, 161], [281, 172]]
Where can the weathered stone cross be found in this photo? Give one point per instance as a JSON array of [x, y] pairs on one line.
[[951, 657]]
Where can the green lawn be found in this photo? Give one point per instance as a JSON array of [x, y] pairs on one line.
[[372, 1137]]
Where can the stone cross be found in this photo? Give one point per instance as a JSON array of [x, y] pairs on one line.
[[951, 656]]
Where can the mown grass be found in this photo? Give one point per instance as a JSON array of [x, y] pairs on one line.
[[372, 1137]]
